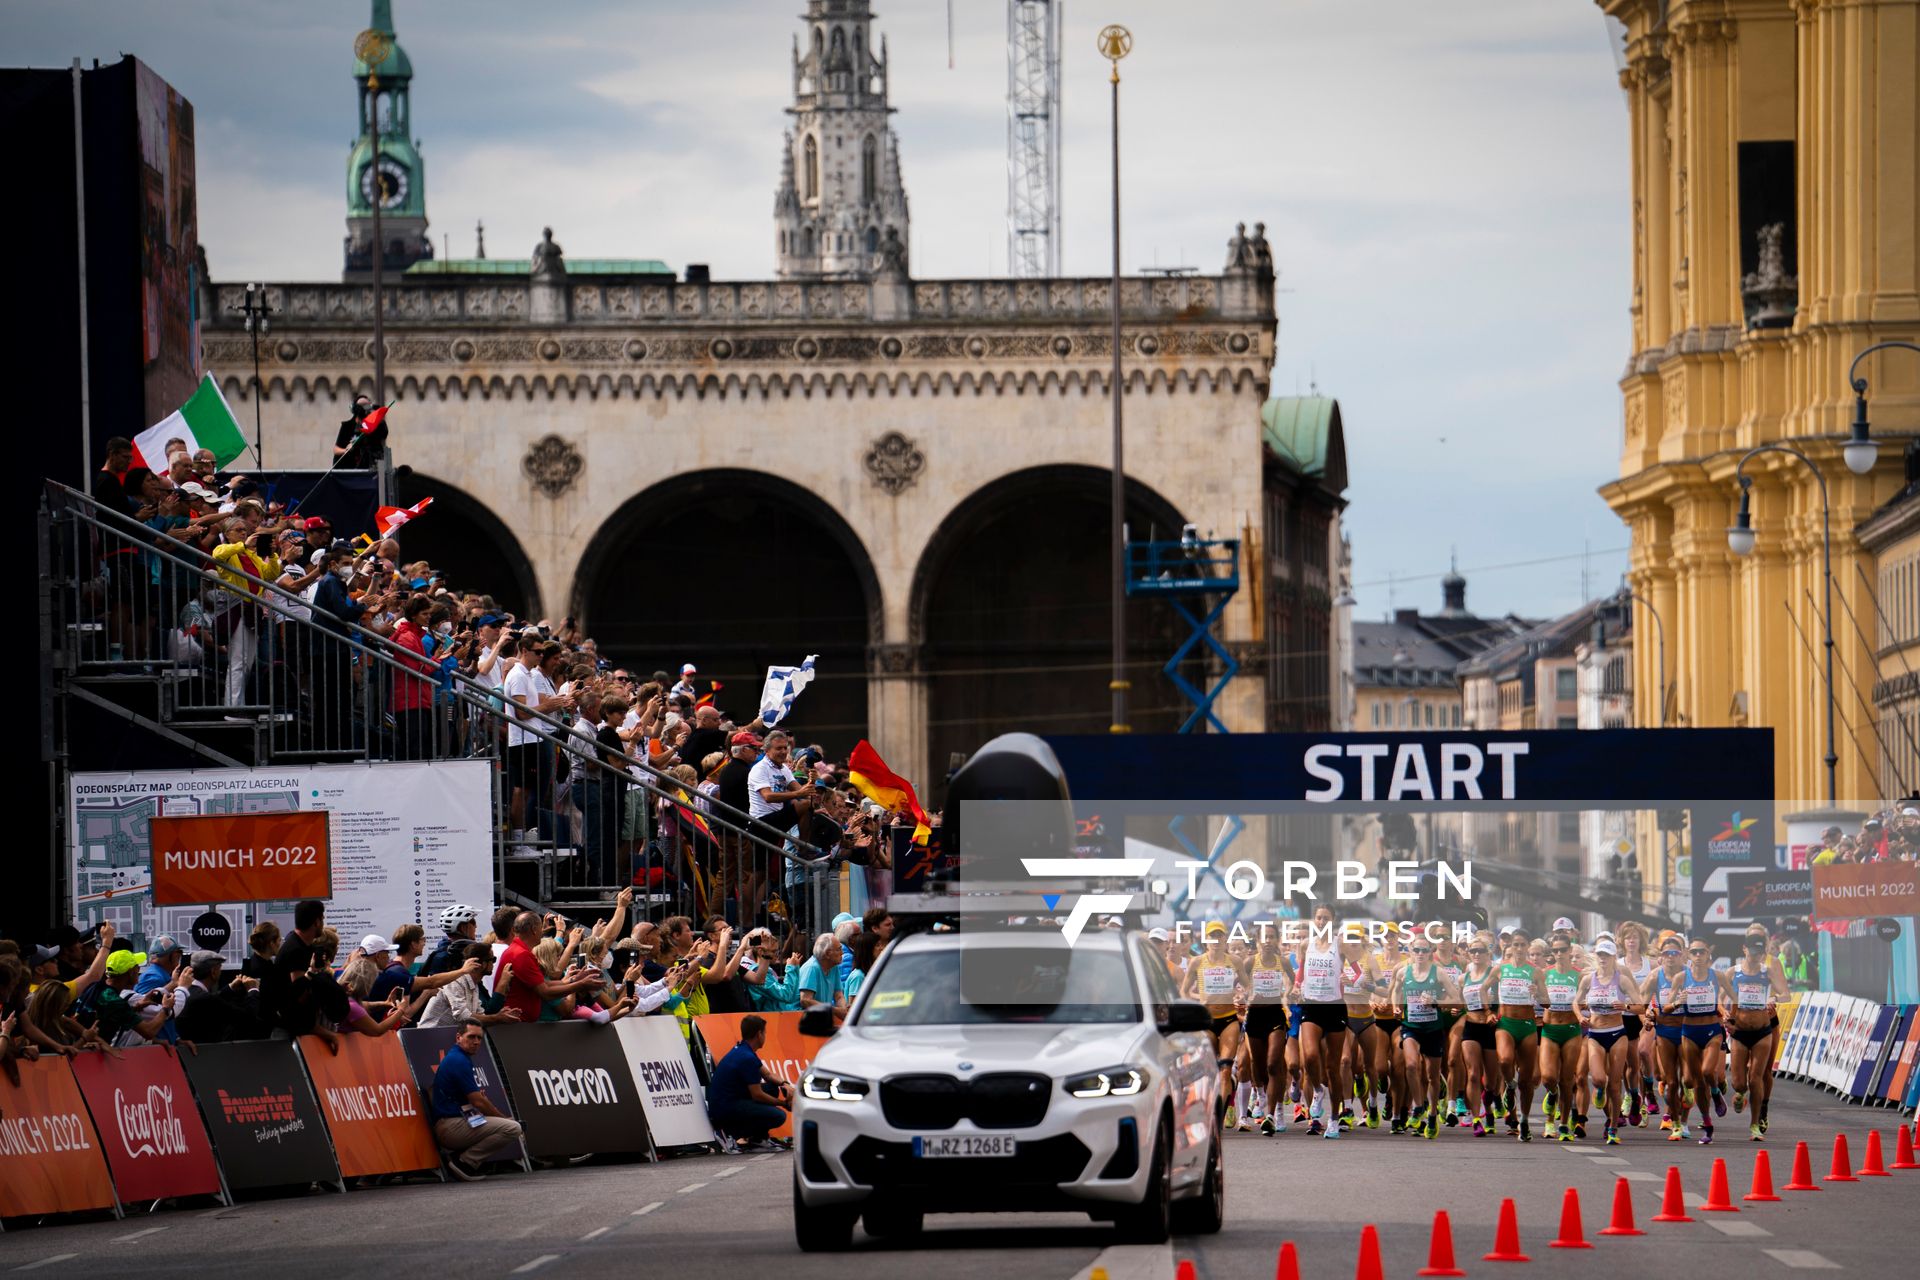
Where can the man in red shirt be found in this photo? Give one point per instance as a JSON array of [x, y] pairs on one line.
[[526, 983], [413, 725]]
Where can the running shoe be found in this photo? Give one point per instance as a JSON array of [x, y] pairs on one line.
[[1739, 1101], [1719, 1103], [1510, 1097], [1373, 1115], [1268, 1127], [1399, 1125], [1653, 1103], [1479, 1127], [1346, 1120], [1299, 1114], [1679, 1134], [1448, 1115], [1460, 1107], [1433, 1126], [1315, 1127], [1245, 1125], [1232, 1118], [1633, 1108], [1526, 1130], [1613, 1136], [1565, 1131], [1666, 1124], [1580, 1126], [1763, 1117], [1333, 1131], [1755, 1130], [1706, 1133]]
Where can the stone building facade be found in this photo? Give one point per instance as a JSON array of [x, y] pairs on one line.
[[906, 476]]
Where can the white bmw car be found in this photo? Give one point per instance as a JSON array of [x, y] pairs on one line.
[[995, 1071]]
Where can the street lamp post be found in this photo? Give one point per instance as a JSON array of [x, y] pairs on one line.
[[1660, 630], [1115, 43], [257, 314], [372, 47], [1740, 539], [1860, 450]]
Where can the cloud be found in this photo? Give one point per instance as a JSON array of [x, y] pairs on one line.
[[1444, 186]]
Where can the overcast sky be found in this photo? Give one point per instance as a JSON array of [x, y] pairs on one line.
[[1445, 188]]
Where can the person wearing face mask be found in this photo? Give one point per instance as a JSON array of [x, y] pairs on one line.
[[354, 448], [413, 736], [335, 609]]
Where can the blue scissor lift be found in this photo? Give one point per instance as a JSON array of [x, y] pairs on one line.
[[1198, 578]]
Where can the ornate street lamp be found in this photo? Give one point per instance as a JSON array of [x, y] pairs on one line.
[[1115, 42], [1860, 451], [258, 315]]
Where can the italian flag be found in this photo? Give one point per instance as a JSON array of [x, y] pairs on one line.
[[203, 422]]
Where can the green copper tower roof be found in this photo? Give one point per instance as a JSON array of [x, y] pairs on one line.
[[395, 66]]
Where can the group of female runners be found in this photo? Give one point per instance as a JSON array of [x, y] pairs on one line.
[[1425, 1033]]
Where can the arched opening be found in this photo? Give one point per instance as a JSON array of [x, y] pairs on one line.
[[813, 168], [735, 571], [463, 536], [869, 170], [873, 239], [806, 242], [1011, 603]]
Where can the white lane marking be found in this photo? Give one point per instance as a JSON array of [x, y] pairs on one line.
[[646, 1209], [1132, 1262], [691, 1186], [1735, 1227], [758, 1159], [46, 1262], [150, 1231], [726, 1173], [1805, 1259], [1640, 1175], [1612, 1161], [536, 1264], [596, 1233]]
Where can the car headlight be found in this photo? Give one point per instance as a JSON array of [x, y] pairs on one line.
[[1108, 1082], [822, 1086]]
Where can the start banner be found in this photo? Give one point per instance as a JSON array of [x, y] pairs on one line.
[[151, 1132], [260, 1113], [371, 1104], [786, 1053], [425, 1046], [1849, 891], [240, 857], [572, 1091], [50, 1159], [671, 1092]]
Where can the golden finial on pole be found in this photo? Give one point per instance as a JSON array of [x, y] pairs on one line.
[[1116, 42]]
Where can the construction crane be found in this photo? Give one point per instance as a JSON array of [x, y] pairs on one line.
[[1033, 136]]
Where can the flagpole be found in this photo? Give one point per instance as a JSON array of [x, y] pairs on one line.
[[323, 479]]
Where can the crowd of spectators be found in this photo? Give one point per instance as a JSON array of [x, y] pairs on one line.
[[1891, 834]]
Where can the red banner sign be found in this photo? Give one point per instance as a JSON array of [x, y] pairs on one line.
[[50, 1159], [372, 1105], [149, 1128], [240, 857], [786, 1053], [1850, 891]]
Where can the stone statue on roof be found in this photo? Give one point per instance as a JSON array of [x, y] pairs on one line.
[[546, 256]]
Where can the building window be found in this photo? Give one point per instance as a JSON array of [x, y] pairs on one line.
[[1429, 707], [1456, 717], [806, 243], [1565, 687], [1567, 722], [1570, 826], [870, 179], [813, 169]]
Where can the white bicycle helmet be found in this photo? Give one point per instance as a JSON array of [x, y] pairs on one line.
[[456, 915]]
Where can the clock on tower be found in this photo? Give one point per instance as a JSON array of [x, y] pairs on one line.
[[384, 168]]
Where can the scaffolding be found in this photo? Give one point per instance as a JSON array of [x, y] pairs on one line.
[[1033, 137]]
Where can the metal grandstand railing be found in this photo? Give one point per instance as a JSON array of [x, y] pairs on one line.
[[243, 672]]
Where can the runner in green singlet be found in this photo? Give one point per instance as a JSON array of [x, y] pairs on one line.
[[1515, 987]]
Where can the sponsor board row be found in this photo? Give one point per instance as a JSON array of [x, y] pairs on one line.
[[104, 1130], [1862, 1050]]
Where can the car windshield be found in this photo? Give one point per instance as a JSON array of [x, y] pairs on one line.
[[977, 985]]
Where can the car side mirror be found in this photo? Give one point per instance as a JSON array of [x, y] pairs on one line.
[[1186, 1015], [818, 1021]]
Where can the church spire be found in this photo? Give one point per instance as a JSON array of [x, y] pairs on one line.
[[399, 177], [840, 199]]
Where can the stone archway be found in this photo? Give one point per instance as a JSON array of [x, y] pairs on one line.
[[735, 570], [1010, 613], [463, 536]]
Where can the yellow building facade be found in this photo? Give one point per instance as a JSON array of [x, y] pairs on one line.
[[1747, 116]]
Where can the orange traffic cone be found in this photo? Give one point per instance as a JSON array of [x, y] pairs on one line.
[[1871, 1166], [1802, 1179], [1842, 1163], [1903, 1150], [1183, 1270], [1571, 1236], [1762, 1178], [1440, 1249], [1719, 1199], [1673, 1204], [1288, 1268], [1506, 1237], [1622, 1224], [1369, 1268]]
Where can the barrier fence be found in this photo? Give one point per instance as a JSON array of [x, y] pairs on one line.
[[1859, 1049], [103, 1131]]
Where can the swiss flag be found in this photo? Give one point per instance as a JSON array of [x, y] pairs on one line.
[[391, 518]]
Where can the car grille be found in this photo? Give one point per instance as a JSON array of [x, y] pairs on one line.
[[997, 1100], [1048, 1162]]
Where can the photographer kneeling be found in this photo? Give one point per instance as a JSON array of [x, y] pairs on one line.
[[745, 1099]]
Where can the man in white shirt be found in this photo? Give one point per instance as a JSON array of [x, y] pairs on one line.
[[527, 688], [770, 785]]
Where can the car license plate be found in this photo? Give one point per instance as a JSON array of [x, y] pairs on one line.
[[964, 1144]]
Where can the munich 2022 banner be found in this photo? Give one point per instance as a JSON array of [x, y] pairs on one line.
[[149, 1128], [405, 841], [572, 1090], [787, 1053], [260, 1112], [50, 1157], [425, 1046], [372, 1105], [239, 857], [675, 1100]]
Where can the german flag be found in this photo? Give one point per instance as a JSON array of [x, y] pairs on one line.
[[870, 775]]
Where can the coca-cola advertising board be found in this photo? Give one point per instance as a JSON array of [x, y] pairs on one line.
[[150, 1130]]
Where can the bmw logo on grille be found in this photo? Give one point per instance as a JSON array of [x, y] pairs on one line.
[[966, 1066]]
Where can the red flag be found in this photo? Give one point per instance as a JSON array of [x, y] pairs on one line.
[[374, 419], [870, 775], [387, 519]]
